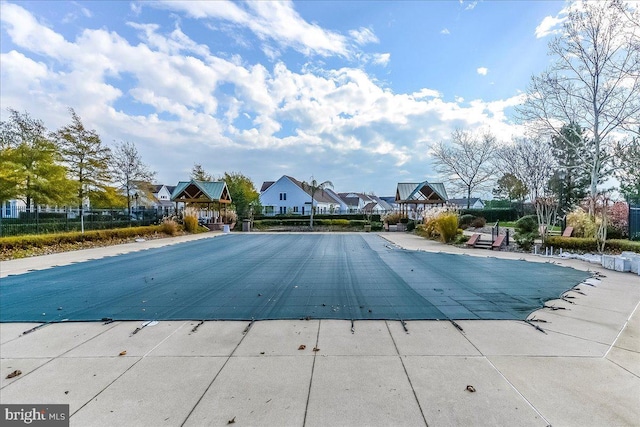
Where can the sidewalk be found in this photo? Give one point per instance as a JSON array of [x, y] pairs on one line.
[[583, 370]]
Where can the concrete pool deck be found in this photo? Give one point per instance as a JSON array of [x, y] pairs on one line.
[[584, 369]]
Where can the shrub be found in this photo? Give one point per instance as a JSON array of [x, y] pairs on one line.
[[169, 227], [229, 217], [526, 231], [493, 215], [191, 224], [466, 220], [478, 222], [411, 225], [589, 244], [422, 230], [461, 238], [42, 240], [583, 225], [376, 226], [618, 221], [447, 227], [392, 218], [527, 224]]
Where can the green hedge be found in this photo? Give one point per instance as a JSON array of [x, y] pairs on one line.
[[299, 222], [492, 215], [41, 240], [589, 245], [374, 217]]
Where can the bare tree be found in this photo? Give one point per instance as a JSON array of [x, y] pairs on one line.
[[312, 188], [468, 161], [532, 162], [128, 171], [594, 83]]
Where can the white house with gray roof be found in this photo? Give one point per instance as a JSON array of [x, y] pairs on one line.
[[287, 196]]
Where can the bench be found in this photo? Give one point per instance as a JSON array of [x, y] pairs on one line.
[[498, 242], [473, 240]]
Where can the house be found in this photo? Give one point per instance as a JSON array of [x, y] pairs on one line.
[[473, 202], [12, 208], [287, 196], [162, 197], [391, 201], [369, 203]]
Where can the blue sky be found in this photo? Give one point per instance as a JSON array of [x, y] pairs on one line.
[[349, 91]]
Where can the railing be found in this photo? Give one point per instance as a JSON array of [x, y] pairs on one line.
[[57, 220], [495, 231]]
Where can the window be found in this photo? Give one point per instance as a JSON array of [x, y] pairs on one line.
[[283, 196], [8, 209], [283, 210], [295, 209]]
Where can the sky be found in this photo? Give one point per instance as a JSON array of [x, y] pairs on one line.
[[354, 92]]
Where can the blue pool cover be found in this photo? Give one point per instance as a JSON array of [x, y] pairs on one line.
[[284, 276]]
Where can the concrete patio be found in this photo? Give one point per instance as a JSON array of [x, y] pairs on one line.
[[583, 369]]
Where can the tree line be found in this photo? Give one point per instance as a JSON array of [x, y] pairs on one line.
[[67, 166], [581, 118]]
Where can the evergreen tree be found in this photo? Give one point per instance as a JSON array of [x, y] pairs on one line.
[[199, 174], [570, 181]]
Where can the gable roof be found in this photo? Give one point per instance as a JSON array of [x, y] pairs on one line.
[[424, 192], [266, 185], [463, 201], [321, 196], [201, 192]]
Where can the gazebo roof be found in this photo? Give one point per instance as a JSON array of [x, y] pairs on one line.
[[201, 192], [421, 193]]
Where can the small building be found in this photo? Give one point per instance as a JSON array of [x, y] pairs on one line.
[[413, 198], [473, 203], [209, 197]]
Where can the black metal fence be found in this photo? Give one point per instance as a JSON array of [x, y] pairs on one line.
[[634, 222], [21, 221]]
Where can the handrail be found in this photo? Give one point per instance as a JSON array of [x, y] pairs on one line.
[[495, 229]]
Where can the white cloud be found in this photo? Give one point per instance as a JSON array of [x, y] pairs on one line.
[[136, 8], [191, 105], [445, 31], [426, 93], [381, 58], [363, 36], [550, 25], [482, 71], [269, 21], [470, 5]]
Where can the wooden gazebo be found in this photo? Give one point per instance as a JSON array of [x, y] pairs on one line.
[[415, 194], [203, 194]]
